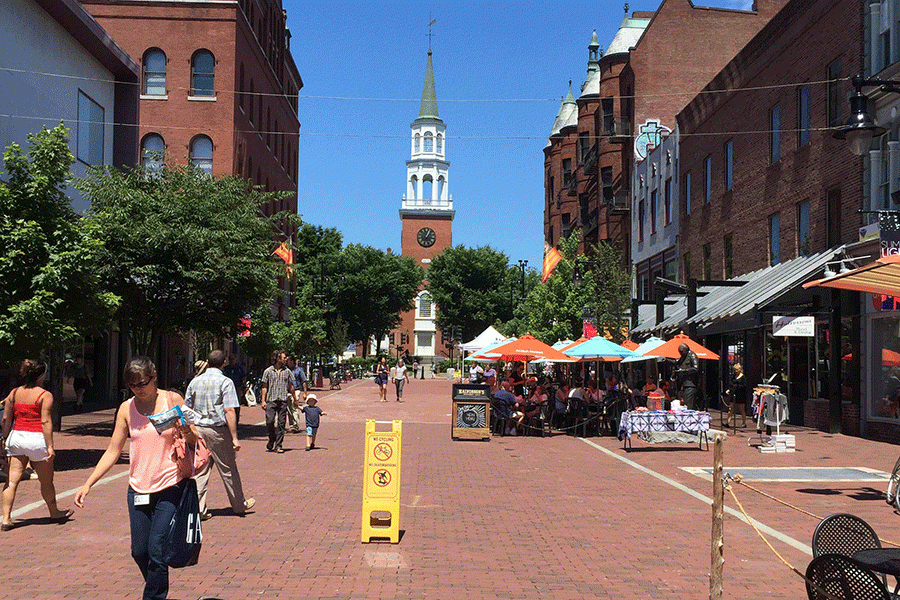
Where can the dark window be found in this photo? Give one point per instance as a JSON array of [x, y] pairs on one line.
[[687, 266], [550, 236], [566, 224], [652, 212], [641, 221], [707, 198], [567, 172], [687, 193], [775, 134], [152, 152], [803, 115], [606, 179], [667, 201], [834, 94], [251, 100], [154, 79], [804, 233], [729, 164], [203, 73], [728, 251], [584, 145], [775, 239], [241, 88], [609, 118]]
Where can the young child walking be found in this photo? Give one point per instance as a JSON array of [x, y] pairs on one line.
[[312, 413]]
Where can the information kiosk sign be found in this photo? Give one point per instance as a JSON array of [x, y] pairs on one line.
[[381, 482], [471, 412]]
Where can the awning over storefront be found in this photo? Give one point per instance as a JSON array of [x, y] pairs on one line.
[[879, 277], [762, 288]]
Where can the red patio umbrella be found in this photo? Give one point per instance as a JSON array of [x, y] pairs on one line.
[[889, 358], [670, 349]]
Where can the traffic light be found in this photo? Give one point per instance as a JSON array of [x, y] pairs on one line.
[[402, 339]]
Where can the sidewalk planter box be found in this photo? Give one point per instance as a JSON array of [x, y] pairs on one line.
[[471, 412]]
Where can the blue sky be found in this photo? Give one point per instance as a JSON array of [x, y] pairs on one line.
[[500, 70]]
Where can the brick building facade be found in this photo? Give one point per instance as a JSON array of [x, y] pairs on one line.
[[218, 89]]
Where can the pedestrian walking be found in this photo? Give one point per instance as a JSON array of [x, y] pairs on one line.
[[312, 413], [400, 378], [81, 381], [28, 431], [276, 391], [154, 484], [381, 378], [293, 418], [213, 399], [238, 375]]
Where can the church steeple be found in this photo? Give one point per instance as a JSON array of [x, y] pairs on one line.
[[428, 108]]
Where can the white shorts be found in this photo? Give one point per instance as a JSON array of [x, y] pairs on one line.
[[27, 443]]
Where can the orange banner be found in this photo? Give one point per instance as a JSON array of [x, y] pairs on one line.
[[551, 259]]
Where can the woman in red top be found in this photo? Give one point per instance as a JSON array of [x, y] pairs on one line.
[[28, 431]]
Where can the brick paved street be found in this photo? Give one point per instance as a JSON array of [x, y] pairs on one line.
[[513, 518]]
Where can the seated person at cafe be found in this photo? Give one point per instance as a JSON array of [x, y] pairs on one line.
[[560, 401], [507, 407], [665, 388], [591, 393], [532, 407], [476, 373], [650, 386], [517, 380], [490, 377]]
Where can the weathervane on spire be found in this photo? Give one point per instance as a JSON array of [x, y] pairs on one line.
[[626, 9], [429, 33]]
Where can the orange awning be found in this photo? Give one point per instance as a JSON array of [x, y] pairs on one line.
[[879, 277]]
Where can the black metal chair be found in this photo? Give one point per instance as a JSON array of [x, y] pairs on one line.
[[843, 578], [844, 534]]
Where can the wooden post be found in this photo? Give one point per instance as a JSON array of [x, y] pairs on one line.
[[718, 529]]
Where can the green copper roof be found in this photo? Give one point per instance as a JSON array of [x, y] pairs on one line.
[[428, 109]]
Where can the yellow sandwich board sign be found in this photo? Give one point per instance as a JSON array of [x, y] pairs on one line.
[[381, 482]]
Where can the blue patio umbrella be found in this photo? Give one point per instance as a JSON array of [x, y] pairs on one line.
[[650, 344], [599, 348]]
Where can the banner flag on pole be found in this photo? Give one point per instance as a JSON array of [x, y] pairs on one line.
[[552, 257], [284, 252], [244, 326]]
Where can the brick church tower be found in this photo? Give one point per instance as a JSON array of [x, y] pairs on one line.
[[426, 212]]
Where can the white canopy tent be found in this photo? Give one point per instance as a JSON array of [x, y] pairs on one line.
[[485, 338]]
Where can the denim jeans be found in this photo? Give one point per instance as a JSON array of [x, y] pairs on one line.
[[148, 528], [276, 419]]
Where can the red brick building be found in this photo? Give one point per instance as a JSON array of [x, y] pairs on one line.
[[218, 88], [626, 101]]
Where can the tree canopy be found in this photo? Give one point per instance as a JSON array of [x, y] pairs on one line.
[[472, 288], [183, 250], [49, 256]]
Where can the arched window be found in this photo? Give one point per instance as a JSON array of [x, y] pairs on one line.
[[203, 73], [424, 306], [414, 182], [154, 79], [153, 149], [202, 153], [426, 188], [440, 190], [416, 143], [440, 143], [429, 142]]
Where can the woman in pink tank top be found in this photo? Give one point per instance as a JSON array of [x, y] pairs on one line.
[[154, 484], [28, 435]]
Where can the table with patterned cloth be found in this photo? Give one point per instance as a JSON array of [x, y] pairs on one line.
[[691, 421]]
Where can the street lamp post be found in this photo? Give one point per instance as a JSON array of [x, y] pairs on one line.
[[861, 128], [522, 265]]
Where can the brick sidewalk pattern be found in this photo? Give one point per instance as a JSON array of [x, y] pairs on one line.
[[511, 518]]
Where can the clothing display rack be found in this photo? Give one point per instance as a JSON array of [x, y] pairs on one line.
[[770, 410]]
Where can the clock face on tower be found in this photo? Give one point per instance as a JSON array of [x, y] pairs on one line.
[[425, 237]]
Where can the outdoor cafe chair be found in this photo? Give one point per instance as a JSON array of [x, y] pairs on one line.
[[842, 578], [843, 533]]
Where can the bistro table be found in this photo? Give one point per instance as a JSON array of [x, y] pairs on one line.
[[691, 421], [882, 560]]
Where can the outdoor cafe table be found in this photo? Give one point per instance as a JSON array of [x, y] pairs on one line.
[[883, 560], [690, 421]]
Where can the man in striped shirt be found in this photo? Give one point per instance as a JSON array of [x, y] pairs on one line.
[[277, 390], [212, 397]]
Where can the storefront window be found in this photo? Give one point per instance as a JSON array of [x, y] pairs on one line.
[[886, 371]]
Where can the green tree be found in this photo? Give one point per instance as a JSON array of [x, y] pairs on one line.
[[49, 256], [375, 287], [473, 288], [556, 309], [182, 249]]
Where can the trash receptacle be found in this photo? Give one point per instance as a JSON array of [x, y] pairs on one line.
[[471, 411]]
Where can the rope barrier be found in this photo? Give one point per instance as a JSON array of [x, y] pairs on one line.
[[740, 481]]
